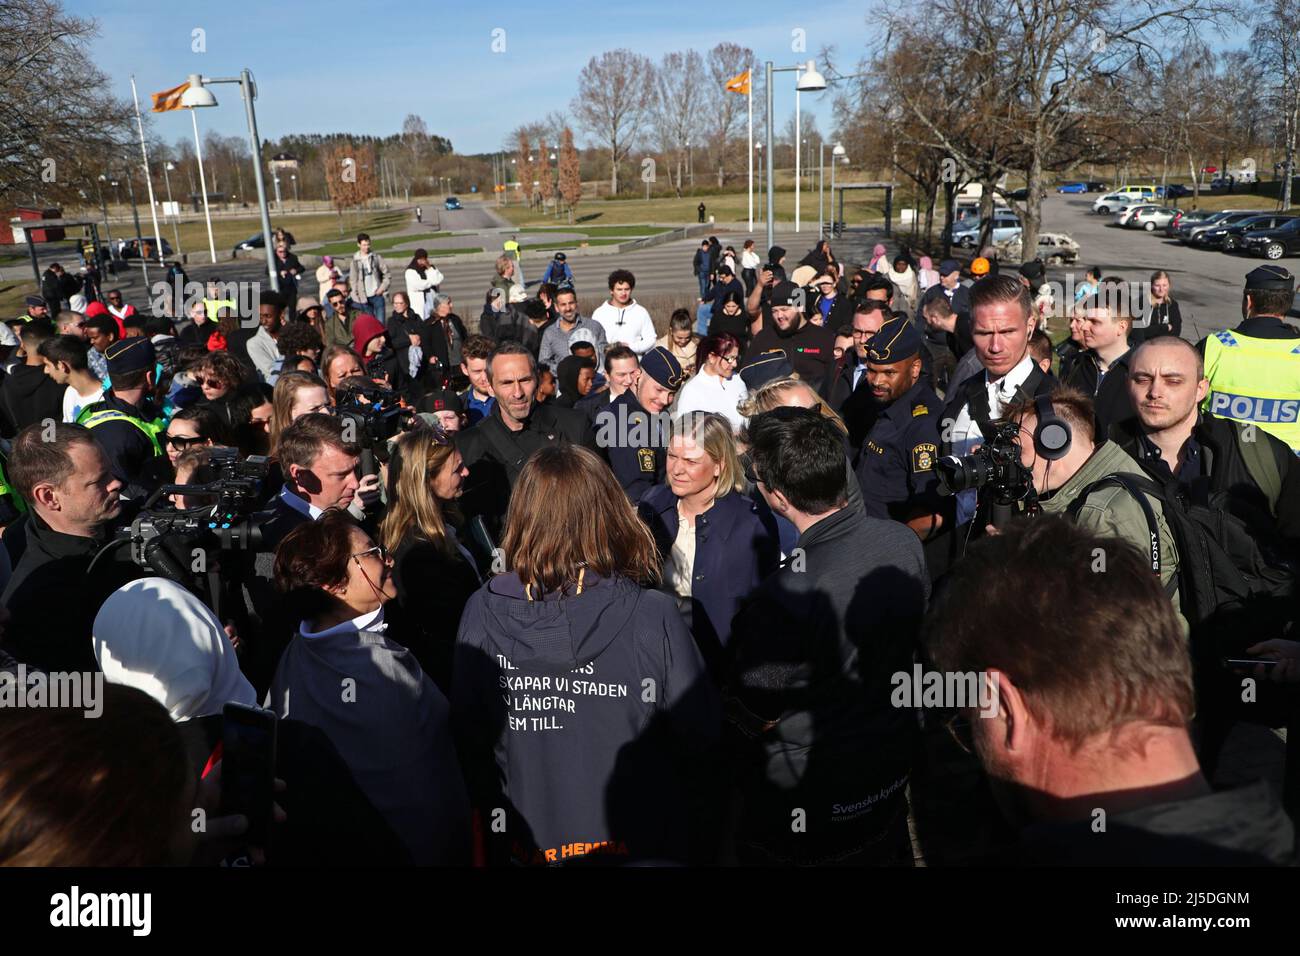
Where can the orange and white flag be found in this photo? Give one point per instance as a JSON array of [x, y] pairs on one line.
[[169, 99], [739, 84]]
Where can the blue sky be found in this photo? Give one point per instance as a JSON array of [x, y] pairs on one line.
[[313, 61]]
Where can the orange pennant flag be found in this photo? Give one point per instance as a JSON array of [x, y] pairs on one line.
[[169, 99], [739, 84]]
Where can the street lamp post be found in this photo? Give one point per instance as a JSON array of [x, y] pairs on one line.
[[198, 95], [294, 178], [759, 148], [808, 81], [838, 150], [176, 229]]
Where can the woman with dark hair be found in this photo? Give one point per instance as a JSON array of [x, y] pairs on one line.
[[347, 675], [422, 281], [716, 387], [250, 409], [432, 571], [681, 340], [715, 543], [574, 377], [580, 701], [194, 427]]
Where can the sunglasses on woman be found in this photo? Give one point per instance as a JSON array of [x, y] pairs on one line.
[[183, 441], [209, 383]]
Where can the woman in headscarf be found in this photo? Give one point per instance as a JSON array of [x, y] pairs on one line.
[[926, 274], [157, 637], [326, 276], [574, 377], [879, 260]]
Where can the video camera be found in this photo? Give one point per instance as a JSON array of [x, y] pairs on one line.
[[165, 539], [995, 466], [377, 414]]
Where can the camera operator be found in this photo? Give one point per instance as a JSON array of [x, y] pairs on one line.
[[126, 422], [1058, 448], [1091, 716], [1001, 323], [53, 594]]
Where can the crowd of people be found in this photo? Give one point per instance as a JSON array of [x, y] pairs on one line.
[[556, 587]]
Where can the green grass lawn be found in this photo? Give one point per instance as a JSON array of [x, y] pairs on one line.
[[731, 207], [572, 244], [384, 244]]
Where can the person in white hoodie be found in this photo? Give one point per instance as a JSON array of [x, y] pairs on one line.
[[905, 282], [625, 322], [422, 280]]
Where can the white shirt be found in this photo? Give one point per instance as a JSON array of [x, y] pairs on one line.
[[680, 565], [749, 259], [74, 402], [711, 393], [630, 326], [966, 431]]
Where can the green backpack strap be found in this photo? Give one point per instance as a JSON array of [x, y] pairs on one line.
[[1261, 465]]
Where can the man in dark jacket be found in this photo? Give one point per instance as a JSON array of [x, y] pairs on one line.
[[700, 267], [810, 348], [818, 740], [57, 285], [53, 596], [27, 394], [1101, 369], [1126, 788], [847, 390], [496, 448], [950, 288]]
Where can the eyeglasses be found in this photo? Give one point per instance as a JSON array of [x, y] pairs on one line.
[[183, 441], [378, 549], [209, 383], [730, 359]]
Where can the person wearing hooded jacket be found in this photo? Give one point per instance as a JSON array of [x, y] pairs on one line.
[[422, 281], [27, 394], [573, 384], [370, 341], [580, 703], [157, 637]]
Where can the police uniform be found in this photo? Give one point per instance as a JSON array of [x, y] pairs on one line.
[[127, 433], [1254, 369], [637, 443], [896, 463]]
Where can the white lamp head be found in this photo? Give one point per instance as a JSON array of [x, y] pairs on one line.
[[810, 81], [198, 95]]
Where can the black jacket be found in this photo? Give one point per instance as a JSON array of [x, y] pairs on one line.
[[130, 451], [495, 455], [960, 302], [401, 326], [810, 689], [1110, 399], [433, 340], [433, 585], [589, 719], [28, 395], [1163, 319], [53, 597], [857, 406]]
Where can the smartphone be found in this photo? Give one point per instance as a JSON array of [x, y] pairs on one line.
[[248, 768], [1247, 663]]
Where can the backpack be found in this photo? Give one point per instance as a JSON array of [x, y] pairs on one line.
[[1231, 594]]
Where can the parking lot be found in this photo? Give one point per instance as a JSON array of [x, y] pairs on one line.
[[1207, 283]]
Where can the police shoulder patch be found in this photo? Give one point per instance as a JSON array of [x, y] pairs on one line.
[[646, 458], [923, 456], [919, 410]]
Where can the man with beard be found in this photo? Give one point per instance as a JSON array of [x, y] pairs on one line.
[[811, 348], [896, 464]]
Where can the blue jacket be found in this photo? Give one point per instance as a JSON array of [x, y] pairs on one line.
[[736, 547], [558, 272]]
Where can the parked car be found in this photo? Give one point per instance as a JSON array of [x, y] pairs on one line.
[[967, 234], [1054, 248], [132, 248], [1072, 188], [453, 203], [1274, 243], [1211, 235], [248, 245], [1111, 202], [1231, 239], [1188, 230], [1174, 191], [1123, 213], [1151, 218], [1097, 187], [1185, 216]]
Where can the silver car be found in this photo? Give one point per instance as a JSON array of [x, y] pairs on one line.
[[1151, 218]]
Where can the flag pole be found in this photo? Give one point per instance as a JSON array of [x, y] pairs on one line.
[[203, 183], [148, 179], [750, 97]]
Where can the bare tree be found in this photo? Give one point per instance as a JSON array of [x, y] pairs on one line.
[[1276, 40], [678, 98], [1037, 58], [570, 178], [54, 110], [613, 101], [524, 164]]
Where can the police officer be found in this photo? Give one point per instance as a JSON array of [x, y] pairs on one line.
[[1254, 369], [126, 422], [896, 464], [634, 429]]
